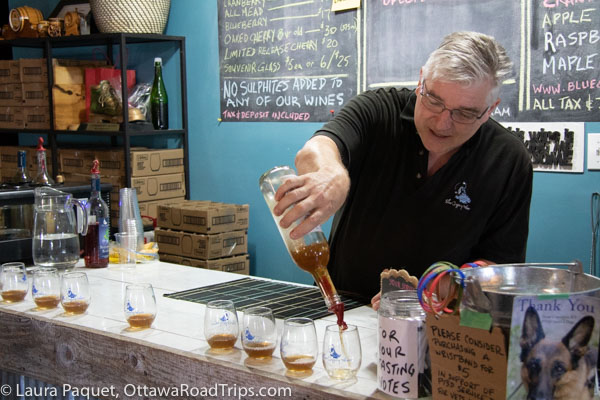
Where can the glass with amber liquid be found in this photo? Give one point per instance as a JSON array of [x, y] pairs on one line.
[[221, 325], [13, 282], [311, 252], [140, 305], [75, 293], [45, 288], [342, 354], [259, 333], [299, 345]]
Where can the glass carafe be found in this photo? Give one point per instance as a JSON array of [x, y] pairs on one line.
[[310, 252], [55, 228]]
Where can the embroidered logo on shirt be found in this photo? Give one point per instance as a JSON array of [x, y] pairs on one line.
[[461, 199]]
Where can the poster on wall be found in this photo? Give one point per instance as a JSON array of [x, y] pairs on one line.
[[553, 146]]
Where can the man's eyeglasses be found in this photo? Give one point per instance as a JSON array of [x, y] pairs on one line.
[[437, 106]]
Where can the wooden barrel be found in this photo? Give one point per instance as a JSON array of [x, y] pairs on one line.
[[20, 14]]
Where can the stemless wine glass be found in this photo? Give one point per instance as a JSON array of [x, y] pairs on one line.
[[13, 282], [140, 305], [221, 325], [299, 346], [259, 333], [341, 352], [75, 292], [45, 288]]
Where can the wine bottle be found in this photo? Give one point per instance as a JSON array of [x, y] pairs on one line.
[[42, 178], [159, 101], [21, 177], [96, 240]]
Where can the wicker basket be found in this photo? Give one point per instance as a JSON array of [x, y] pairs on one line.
[[131, 16]]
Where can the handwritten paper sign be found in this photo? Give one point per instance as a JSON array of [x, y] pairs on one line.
[[401, 348], [466, 363]]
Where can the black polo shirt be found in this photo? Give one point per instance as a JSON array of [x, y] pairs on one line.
[[475, 206]]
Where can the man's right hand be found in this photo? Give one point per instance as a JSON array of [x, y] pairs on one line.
[[317, 192]]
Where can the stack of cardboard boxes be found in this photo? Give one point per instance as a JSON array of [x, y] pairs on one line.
[[24, 100], [204, 234], [24, 94], [156, 174]]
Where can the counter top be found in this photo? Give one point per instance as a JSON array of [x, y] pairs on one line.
[[96, 349]]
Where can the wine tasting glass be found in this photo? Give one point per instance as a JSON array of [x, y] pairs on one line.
[[75, 292], [299, 346], [140, 305], [45, 288], [13, 282], [341, 352], [221, 325], [259, 333]]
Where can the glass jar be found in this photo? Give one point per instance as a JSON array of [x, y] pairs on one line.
[[403, 370]]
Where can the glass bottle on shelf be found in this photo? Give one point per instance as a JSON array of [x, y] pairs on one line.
[[159, 101], [21, 177], [42, 178], [311, 252], [96, 240]]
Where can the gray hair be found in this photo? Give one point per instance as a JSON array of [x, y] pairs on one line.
[[467, 58]]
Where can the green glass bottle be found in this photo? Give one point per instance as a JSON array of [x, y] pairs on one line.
[[159, 101]]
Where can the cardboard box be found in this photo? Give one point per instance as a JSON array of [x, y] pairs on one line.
[[156, 162], [37, 117], [10, 118], [159, 187], [33, 70], [237, 264], [204, 247], [9, 71], [35, 94], [112, 161], [203, 216], [147, 208], [150, 208], [11, 94], [72, 72], [68, 104]]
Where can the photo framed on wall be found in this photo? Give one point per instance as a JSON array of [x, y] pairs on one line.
[[64, 6]]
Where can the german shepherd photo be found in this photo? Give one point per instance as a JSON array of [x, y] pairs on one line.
[[560, 370]]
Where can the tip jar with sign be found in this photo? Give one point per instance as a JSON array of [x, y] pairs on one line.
[[402, 370]]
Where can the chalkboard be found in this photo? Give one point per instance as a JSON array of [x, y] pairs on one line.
[[285, 61], [552, 43]]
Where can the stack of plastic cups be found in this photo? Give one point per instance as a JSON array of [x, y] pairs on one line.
[[130, 220]]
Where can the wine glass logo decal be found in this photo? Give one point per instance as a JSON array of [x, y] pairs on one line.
[[333, 353], [34, 289], [248, 335], [70, 294], [24, 278], [129, 307], [225, 317]]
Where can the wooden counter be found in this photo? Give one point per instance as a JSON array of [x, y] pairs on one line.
[[96, 353]]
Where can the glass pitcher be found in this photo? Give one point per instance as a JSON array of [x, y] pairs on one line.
[[55, 228]]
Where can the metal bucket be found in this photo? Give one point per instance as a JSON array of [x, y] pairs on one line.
[[549, 304], [501, 283]]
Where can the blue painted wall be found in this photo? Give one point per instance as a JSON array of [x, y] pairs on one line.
[[226, 159]]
